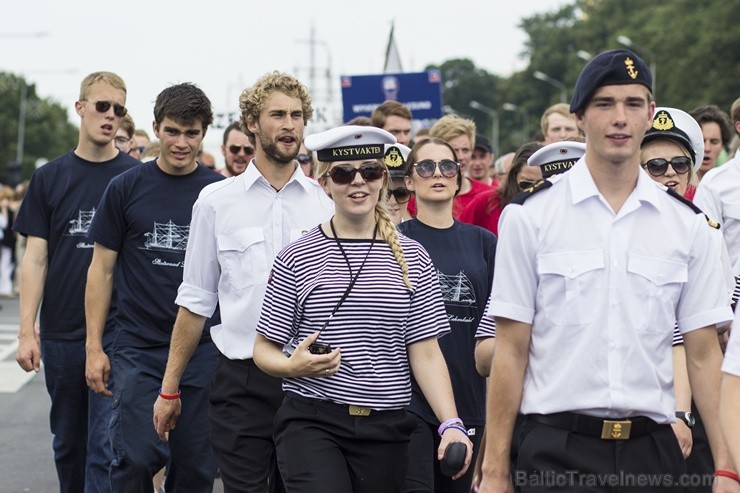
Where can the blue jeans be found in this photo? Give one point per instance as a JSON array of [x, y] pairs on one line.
[[139, 453], [79, 419]]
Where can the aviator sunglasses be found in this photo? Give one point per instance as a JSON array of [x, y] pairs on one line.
[[343, 175], [104, 106], [658, 166], [447, 167], [235, 149]]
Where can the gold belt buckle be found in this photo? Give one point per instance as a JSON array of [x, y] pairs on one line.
[[616, 430], [359, 410]]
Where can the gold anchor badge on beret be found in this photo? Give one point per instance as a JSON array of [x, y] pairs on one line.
[[393, 158], [662, 121], [630, 64]]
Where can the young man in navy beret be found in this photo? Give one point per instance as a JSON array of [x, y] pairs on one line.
[[593, 271]]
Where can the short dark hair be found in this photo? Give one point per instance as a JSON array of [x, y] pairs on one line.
[[184, 103], [233, 126], [713, 113]]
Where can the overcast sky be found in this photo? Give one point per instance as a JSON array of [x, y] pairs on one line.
[[223, 46]]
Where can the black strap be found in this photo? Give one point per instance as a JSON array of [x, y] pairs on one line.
[[353, 279]]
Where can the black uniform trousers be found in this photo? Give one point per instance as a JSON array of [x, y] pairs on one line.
[[699, 461], [559, 456], [322, 448], [243, 403]]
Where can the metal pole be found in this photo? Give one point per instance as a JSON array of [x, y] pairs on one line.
[[22, 122]]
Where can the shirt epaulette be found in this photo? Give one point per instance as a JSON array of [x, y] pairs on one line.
[[528, 192], [714, 224]]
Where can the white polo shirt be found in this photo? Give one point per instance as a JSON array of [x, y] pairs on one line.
[[603, 292], [731, 362], [238, 227]]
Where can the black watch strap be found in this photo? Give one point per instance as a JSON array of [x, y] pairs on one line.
[[686, 417]]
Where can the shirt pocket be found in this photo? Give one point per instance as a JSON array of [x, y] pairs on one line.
[[242, 254], [656, 285], [570, 286]]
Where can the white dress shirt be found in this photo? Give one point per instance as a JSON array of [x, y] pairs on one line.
[[718, 195], [603, 291], [238, 227], [731, 361]]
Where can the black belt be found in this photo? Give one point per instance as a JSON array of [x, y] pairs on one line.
[[604, 428]]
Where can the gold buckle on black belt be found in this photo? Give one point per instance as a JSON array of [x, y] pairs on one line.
[[359, 410], [616, 430]]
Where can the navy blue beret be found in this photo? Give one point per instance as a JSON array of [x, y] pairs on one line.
[[613, 67]]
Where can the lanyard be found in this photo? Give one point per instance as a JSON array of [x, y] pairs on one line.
[[353, 278]]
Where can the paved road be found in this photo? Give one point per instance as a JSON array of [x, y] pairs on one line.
[[26, 458]]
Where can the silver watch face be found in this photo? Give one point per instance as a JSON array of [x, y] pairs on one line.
[[687, 418]]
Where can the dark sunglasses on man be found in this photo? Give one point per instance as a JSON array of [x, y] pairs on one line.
[[658, 166], [104, 106], [234, 149]]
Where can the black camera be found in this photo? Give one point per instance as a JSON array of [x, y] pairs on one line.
[[319, 348]]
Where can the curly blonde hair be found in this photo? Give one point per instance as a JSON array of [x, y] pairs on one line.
[[252, 99]]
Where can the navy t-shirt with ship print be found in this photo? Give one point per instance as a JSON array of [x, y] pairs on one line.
[[144, 215], [58, 207], [464, 257]]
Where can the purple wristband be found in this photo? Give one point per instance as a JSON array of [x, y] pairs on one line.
[[448, 423]]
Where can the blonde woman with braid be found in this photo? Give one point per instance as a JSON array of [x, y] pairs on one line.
[[352, 309]]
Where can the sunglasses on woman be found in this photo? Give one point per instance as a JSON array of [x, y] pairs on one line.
[[344, 174], [658, 166], [402, 195], [104, 106], [447, 168]]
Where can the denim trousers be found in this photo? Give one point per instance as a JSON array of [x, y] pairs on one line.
[[79, 419]]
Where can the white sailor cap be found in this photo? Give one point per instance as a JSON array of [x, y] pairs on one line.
[[677, 125], [349, 143], [557, 157], [395, 158]]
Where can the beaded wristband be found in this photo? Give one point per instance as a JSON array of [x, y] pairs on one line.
[[170, 397], [727, 474], [447, 423]]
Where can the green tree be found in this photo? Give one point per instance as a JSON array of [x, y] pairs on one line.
[[48, 132]]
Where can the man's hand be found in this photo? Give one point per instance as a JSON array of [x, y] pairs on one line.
[[28, 354], [97, 372], [166, 413]]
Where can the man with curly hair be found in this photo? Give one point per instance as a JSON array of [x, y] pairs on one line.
[[238, 227]]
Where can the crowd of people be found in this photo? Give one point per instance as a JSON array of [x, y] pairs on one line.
[[375, 308]]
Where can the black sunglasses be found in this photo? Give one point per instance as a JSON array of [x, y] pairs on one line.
[[402, 195], [343, 175], [447, 167], [104, 106], [236, 149], [658, 166], [304, 158], [525, 184]]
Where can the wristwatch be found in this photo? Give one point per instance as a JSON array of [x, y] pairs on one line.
[[686, 417]]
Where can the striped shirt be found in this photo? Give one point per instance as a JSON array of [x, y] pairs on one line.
[[376, 322]]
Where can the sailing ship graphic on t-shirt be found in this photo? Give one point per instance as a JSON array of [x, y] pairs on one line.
[[167, 237], [81, 224], [456, 288]]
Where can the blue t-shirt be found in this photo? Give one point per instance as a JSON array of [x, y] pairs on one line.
[[144, 215], [464, 257], [58, 207]]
